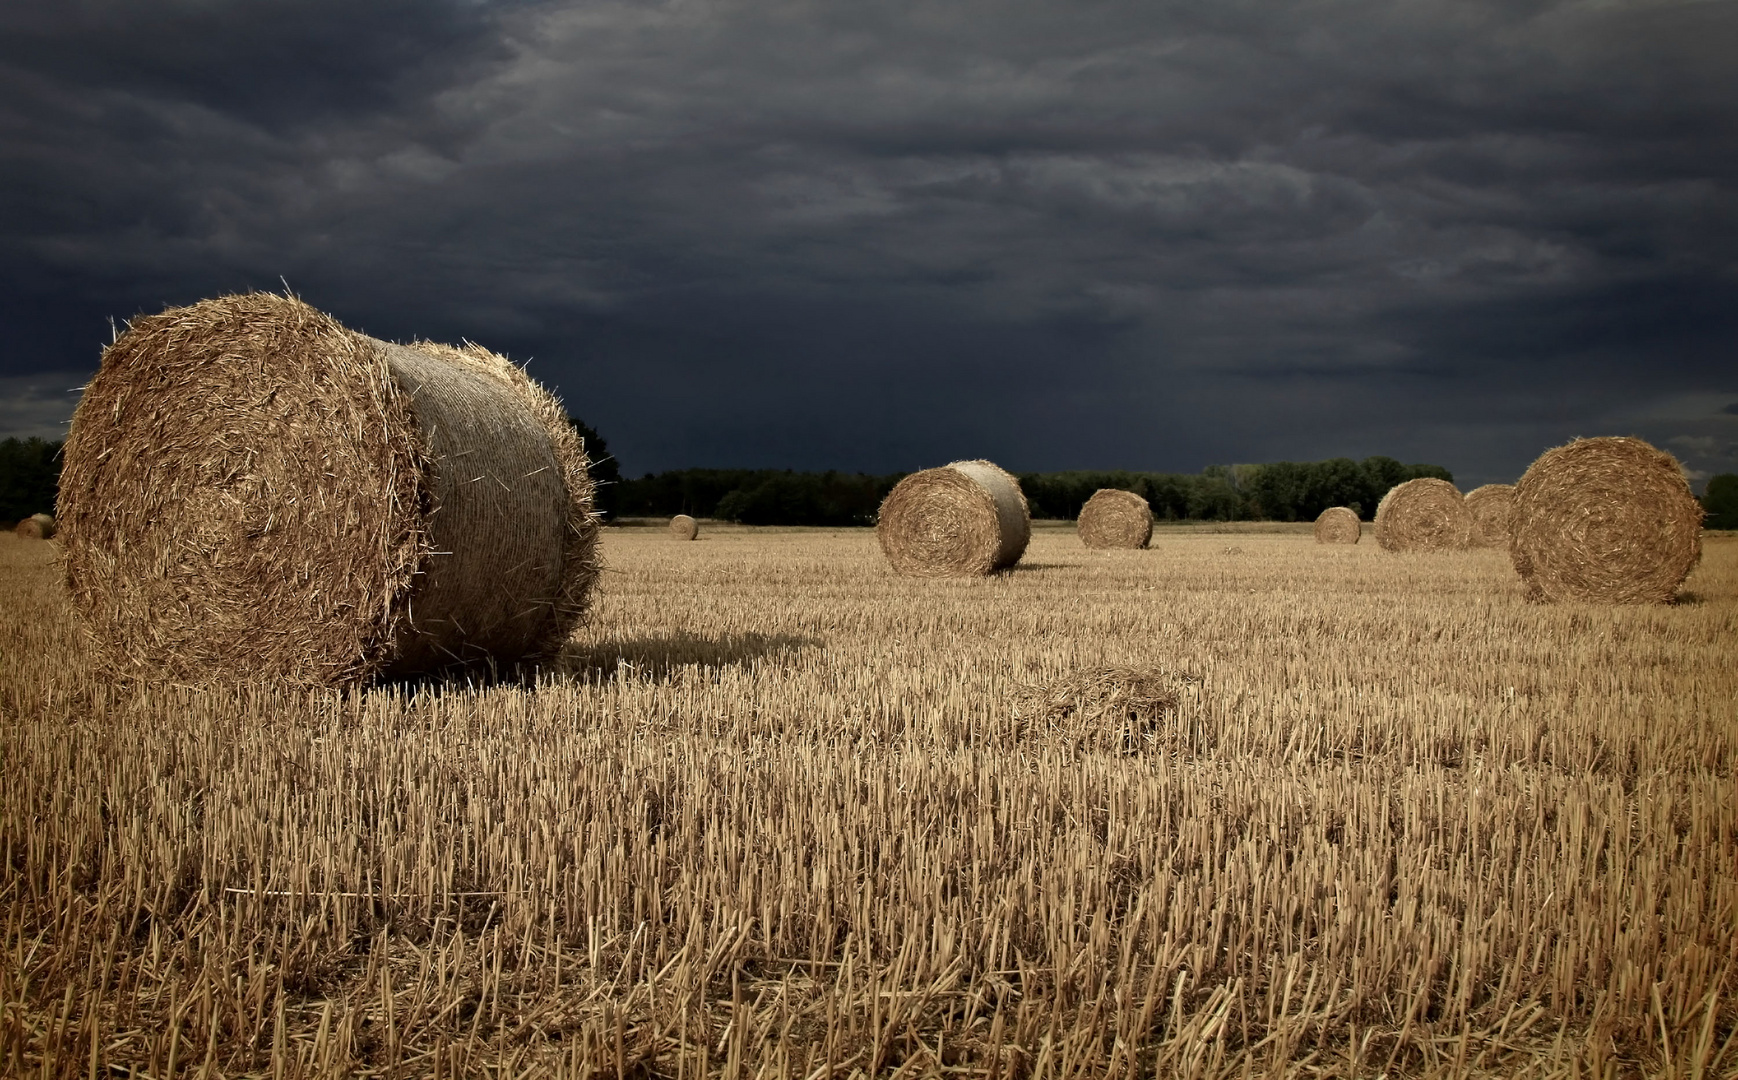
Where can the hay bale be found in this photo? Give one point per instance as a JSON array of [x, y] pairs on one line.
[[683, 527], [964, 519], [1605, 521], [1115, 519], [1122, 710], [1425, 514], [251, 490], [36, 527], [1490, 505], [1338, 525]]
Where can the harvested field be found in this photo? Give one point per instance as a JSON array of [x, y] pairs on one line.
[[781, 813]]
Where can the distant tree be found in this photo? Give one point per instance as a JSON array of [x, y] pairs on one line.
[[606, 472], [29, 477], [1721, 502]]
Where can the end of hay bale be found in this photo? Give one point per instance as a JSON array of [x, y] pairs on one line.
[[683, 527], [36, 527], [1490, 505], [1114, 518], [964, 519], [1425, 514], [1338, 525], [253, 491], [1609, 520]]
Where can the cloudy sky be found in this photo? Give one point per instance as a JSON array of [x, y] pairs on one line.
[[875, 236]]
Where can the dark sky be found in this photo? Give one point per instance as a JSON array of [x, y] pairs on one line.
[[876, 236]]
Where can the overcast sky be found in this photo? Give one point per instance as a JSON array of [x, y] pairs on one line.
[[876, 236]]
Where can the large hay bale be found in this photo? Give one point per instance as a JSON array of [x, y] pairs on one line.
[[1338, 525], [251, 490], [36, 527], [1425, 514], [1608, 521], [683, 527], [1113, 518], [1490, 505], [963, 519]]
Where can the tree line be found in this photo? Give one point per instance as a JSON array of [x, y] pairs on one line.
[[1278, 491], [1282, 491]]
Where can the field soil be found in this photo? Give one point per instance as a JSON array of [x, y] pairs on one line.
[[1234, 805]]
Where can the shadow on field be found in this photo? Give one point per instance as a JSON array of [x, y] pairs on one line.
[[658, 657]]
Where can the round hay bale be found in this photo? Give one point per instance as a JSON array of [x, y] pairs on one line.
[[1113, 518], [251, 490], [964, 519], [1490, 505], [1425, 514], [1338, 525], [683, 527], [1605, 521], [36, 527]]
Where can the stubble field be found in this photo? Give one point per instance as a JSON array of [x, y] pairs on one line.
[[782, 813]]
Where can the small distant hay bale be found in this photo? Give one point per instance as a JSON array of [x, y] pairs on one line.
[[1605, 521], [1490, 506], [683, 527], [1425, 514], [961, 520], [1122, 710], [36, 527], [1113, 518], [1338, 525], [253, 491]]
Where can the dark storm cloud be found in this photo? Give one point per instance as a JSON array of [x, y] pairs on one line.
[[875, 236]]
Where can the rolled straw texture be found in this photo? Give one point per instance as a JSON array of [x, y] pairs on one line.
[[1606, 521], [1490, 506], [251, 490], [683, 527], [1338, 525], [36, 527], [1113, 518], [1425, 514], [963, 519]]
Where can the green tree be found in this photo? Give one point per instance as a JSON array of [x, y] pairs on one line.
[[1721, 502], [606, 472], [29, 477]]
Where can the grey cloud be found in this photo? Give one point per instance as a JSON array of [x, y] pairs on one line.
[[870, 235]]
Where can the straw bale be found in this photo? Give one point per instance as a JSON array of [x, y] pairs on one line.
[[1113, 518], [1490, 505], [683, 527], [964, 519], [1608, 521], [1118, 709], [36, 527], [1338, 525], [251, 490], [1425, 514]]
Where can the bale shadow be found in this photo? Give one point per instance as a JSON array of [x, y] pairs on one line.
[[657, 658]]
